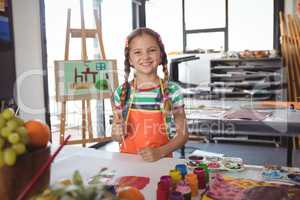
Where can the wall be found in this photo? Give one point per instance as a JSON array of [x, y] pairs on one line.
[[28, 57], [290, 6]]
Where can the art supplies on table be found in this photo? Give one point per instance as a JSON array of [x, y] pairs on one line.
[[228, 188], [104, 176], [181, 183], [200, 172], [138, 182], [175, 176], [184, 189], [192, 180], [283, 175], [182, 168], [162, 191], [233, 164], [215, 162]]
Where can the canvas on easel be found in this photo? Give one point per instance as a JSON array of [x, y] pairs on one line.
[[78, 80], [84, 79]]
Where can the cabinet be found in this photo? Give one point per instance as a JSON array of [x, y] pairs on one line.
[[247, 79]]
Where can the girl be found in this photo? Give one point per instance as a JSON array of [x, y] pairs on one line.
[[144, 107]]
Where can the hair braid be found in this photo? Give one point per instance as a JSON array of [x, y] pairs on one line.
[[125, 87], [166, 99]]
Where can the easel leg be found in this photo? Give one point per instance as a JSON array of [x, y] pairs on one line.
[[62, 122], [83, 123], [89, 120]]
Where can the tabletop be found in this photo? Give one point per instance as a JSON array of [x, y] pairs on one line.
[[89, 161]]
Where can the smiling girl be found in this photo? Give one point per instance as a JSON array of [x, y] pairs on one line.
[[146, 106]]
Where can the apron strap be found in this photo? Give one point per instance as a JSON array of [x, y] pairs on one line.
[[133, 88]]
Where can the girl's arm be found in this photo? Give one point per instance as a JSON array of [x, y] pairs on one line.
[[181, 137]]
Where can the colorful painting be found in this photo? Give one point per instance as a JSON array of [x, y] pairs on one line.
[[93, 79]]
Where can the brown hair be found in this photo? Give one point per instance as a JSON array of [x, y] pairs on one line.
[[164, 62]]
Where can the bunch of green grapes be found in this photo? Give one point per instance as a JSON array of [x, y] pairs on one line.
[[13, 137]]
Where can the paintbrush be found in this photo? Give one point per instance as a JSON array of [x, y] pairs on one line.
[[118, 117], [42, 170]]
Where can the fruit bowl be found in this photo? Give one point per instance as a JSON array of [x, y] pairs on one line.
[[13, 179]]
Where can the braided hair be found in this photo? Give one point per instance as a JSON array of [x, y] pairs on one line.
[[164, 63]]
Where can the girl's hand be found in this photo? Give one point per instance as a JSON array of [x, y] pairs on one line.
[[118, 130], [150, 154]]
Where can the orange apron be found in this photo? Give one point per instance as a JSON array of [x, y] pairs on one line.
[[145, 128]]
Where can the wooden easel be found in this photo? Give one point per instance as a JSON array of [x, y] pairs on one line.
[[82, 33]]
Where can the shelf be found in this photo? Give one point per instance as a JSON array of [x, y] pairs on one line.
[[246, 93], [245, 139], [229, 68], [226, 76], [240, 78], [246, 59], [243, 84]]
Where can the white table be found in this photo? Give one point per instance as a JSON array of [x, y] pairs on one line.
[[89, 161]]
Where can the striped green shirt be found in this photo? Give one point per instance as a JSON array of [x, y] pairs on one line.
[[151, 99]]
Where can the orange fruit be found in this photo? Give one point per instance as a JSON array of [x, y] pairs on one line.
[[38, 132], [130, 193]]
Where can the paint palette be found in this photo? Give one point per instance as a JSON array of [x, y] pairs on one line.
[[216, 163], [233, 164], [213, 158], [282, 175]]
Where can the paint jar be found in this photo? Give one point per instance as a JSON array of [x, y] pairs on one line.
[[167, 180], [176, 196], [192, 180], [175, 175], [185, 190], [182, 168], [201, 177], [206, 170], [162, 191]]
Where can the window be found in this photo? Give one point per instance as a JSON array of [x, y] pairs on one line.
[[204, 14], [165, 17], [248, 29], [230, 24], [205, 24]]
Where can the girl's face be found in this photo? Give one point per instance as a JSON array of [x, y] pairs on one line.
[[144, 54]]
